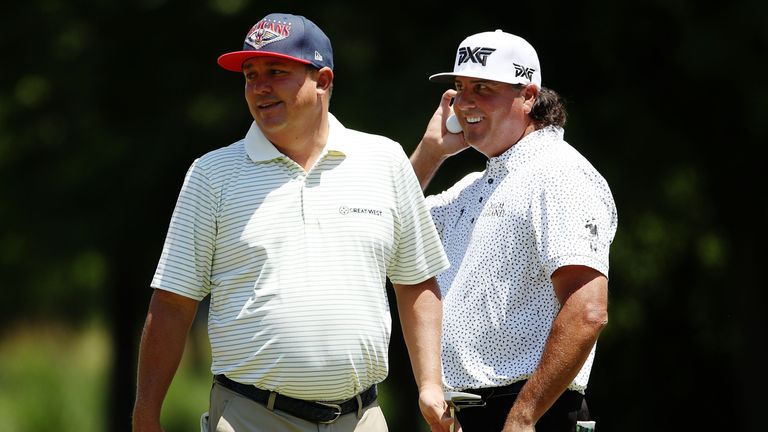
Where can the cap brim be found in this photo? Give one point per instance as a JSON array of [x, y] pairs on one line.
[[445, 77], [450, 77], [233, 61]]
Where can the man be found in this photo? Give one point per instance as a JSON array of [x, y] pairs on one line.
[[292, 231], [525, 297]]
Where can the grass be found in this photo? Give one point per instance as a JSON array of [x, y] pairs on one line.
[[54, 378]]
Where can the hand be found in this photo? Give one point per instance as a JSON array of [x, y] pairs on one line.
[[434, 408], [436, 137]]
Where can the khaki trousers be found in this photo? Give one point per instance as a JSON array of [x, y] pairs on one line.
[[231, 412]]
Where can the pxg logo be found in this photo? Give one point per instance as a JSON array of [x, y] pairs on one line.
[[474, 55], [522, 71]]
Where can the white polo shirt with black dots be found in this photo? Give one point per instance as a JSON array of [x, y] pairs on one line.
[[296, 262], [537, 207]]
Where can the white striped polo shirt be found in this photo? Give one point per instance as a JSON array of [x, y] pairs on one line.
[[296, 262]]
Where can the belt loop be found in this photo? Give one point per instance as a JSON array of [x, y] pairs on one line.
[[359, 406], [271, 401]]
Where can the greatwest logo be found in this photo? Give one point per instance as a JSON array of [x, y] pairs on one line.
[[359, 210], [474, 55], [522, 71]]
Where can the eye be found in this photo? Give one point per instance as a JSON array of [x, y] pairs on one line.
[[277, 72]]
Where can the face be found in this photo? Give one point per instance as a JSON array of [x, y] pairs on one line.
[[281, 93], [494, 115]]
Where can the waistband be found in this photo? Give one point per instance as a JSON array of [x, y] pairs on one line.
[[313, 411], [507, 390], [491, 392]]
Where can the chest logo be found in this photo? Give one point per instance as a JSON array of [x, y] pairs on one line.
[[493, 209], [359, 210]]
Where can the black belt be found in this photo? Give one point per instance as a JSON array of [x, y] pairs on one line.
[[492, 392], [508, 390], [316, 412]]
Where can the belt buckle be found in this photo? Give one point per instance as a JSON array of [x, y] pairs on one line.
[[337, 407]]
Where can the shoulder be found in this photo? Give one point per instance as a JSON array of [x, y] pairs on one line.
[[370, 141], [456, 190], [223, 158], [224, 155], [373, 148], [564, 168], [357, 142], [558, 157], [218, 164]]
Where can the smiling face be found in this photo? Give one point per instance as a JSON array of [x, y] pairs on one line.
[[282, 93], [494, 115]]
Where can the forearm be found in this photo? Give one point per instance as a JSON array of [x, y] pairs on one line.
[[162, 346], [420, 311], [574, 333], [564, 354]]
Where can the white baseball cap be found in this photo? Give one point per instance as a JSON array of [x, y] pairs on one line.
[[495, 56]]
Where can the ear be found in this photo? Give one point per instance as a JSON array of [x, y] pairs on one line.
[[324, 79], [530, 94]]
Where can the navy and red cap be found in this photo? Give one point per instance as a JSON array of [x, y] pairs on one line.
[[287, 36]]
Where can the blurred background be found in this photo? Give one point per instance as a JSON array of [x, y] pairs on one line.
[[104, 104]]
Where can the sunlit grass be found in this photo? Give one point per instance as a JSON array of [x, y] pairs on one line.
[[53, 378]]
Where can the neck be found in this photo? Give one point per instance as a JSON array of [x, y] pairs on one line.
[[303, 144]]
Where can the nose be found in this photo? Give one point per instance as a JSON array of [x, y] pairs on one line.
[[259, 85], [461, 101]]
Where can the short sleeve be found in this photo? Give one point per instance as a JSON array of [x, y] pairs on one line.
[[185, 262], [419, 253], [574, 218]]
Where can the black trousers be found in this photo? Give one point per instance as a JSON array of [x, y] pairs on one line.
[[561, 417]]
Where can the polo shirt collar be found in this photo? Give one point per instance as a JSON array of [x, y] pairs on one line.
[[260, 149], [529, 145]]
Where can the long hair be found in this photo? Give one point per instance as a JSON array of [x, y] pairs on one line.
[[548, 109]]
